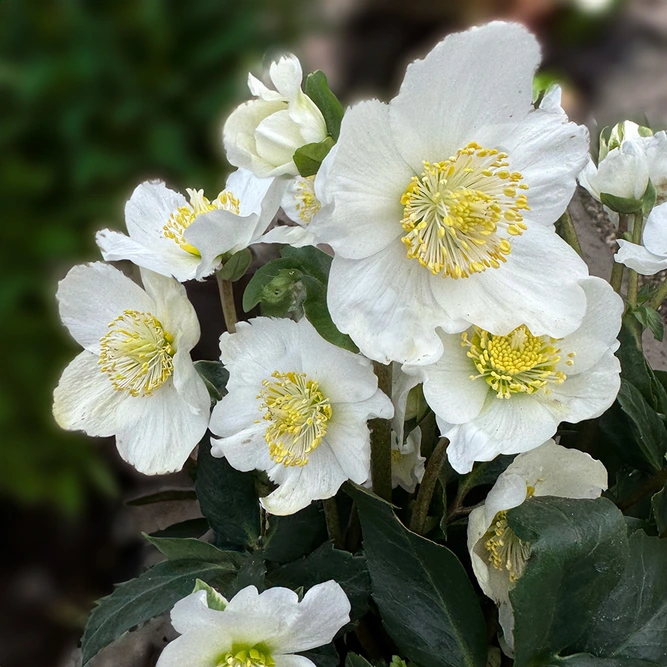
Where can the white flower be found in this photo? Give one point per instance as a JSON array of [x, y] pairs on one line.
[[135, 378], [255, 629], [498, 555], [407, 463], [174, 237], [507, 394], [651, 257], [442, 203], [297, 408], [262, 135]]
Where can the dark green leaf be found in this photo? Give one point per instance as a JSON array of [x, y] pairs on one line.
[[294, 536], [484, 474], [620, 204], [251, 573], [324, 656], [235, 267], [215, 375], [659, 509], [649, 318], [311, 260], [317, 88], [163, 496], [354, 660], [175, 548], [588, 660], [228, 500], [273, 284], [308, 158], [578, 552], [426, 600], [188, 528]]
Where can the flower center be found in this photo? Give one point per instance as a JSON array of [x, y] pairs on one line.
[[460, 213], [246, 658], [298, 413], [518, 363], [307, 203], [506, 551], [137, 353], [185, 215]]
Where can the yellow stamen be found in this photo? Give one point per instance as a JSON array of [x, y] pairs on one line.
[[505, 550], [246, 657], [307, 203]]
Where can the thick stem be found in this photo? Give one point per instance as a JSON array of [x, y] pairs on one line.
[[226, 289], [568, 231], [633, 277], [427, 486], [381, 440], [332, 519], [659, 296], [616, 279]]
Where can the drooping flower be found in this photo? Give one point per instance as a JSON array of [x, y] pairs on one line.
[[439, 205], [297, 408], [650, 257], [498, 555], [507, 394], [263, 134], [255, 629], [135, 378], [187, 239]]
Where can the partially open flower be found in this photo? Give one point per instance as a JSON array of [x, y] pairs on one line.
[[498, 555], [255, 629], [650, 257], [135, 378], [297, 408]]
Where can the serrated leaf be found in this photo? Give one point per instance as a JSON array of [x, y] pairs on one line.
[[235, 267], [215, 376], [296, 535], [317, 88], [578, 552], [175, 548], [308, 158], [427, 603], [228, 500], [649, 318]]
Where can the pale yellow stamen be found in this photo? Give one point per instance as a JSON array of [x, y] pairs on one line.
[[505, 550], [307, 203], [460, 213], [518, 363], [298, 413], [184, 216], [137, 353], [252, 657]]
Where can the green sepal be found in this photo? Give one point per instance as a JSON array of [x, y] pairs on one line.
[[213, 599], [649, 198], [649, 318], [621, 204], [317, 88], [234, 267], [215, 377], [274, 286], [308, 158]]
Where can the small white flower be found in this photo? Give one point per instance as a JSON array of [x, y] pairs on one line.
[[297, 408], [442, 203], [507, 394], [186, 239], [407, 463], [135, 378], [255, 629], [262, 135], [650, 257], [498, 555]]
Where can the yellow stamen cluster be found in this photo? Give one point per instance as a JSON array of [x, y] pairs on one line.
[[298, 413], [505, 550], [247, 658], [184, 216], [460, 213], [137, 353], [307, 203], [518, 363]]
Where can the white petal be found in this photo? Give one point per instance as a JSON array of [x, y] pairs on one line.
[[365, 182], [624, 171], [401, 385], [286, 75], [409, 470], [189, 384], [470, 80], [245, 450], [277, 137], [85, 399], [236, 411], [297, 237], [588, 179], [91, 296], [656, 154], [157, 433], [639, 258], [477, 526], [292, 661], [509, 491], [200, 648], [655, 231], [249, 190], [192, 613]]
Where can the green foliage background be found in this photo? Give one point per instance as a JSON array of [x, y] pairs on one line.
[[94, 98]]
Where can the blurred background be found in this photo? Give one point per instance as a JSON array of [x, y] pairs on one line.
[[96, 96]]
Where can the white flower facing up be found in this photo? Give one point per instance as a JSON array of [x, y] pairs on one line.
[[650, 257], [263, 134], [297, 408], [186, 239], [135, 378], [255, 629], [507, 394], [498, 555], [439, 205]]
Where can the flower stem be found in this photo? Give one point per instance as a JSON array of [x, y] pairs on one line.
[[616, 279], [568, 231], [427, 486], [226, 289], [381, 440], [659, 296], [633, 277], [332, 519]]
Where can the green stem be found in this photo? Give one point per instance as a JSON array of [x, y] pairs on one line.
[[568, 231], [381, 440], [226, 289], [616, 279], [427, 486], [332, 519], [633, 277], [659, 296]]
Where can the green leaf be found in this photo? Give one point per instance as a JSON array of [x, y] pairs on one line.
[[215, 376], [632, 622], [213, 599], [427, 603], [228, 500], [273, 284], [588, 660], [650, 318], [162, 497], [308, 158], [578, 552], [175, 548], [235, 267], [328, 563], [317, 88], [251, 573], [323, 656], [152, 593], [649, 198], [188, 528], [621, 204], [311, 260], [659, 509], [354, 660], [293, 536]]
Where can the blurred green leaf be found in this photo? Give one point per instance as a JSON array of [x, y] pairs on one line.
[[235, 267]]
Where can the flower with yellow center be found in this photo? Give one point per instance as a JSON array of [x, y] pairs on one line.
[[506, 394], [440, 205], [297, 408], [188, 238], [254, 629], [499, 557], [135, 378]]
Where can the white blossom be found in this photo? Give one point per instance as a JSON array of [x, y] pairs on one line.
[[650, 257]]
